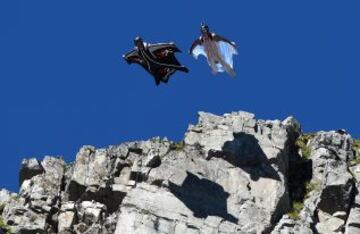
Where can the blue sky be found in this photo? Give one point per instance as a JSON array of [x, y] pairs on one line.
[[63, 83]]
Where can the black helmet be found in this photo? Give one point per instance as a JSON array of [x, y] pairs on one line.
[[138, 40], [204, 28]]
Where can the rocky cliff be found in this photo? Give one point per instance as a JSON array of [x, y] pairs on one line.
[[230, 174]]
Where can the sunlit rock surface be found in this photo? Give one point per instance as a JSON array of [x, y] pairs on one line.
[[230, 174]]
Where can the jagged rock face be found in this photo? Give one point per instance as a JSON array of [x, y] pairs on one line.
[[332, 152], [230, 175], [30, 168], [353, 221], [6, 196], [330, 207], [38, 202], [249, 159]]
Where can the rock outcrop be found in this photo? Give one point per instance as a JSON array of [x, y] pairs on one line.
[[230, 174], [329, 205]]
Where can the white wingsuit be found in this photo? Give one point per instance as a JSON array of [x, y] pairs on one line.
[[218, 51]]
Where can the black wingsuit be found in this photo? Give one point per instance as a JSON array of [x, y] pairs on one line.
[[158, 59]]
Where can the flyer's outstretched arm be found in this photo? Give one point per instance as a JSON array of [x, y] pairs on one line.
[[197, 49]]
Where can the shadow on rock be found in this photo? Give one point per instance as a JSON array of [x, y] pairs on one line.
[[245, 152], [112, 199], [203, 197]]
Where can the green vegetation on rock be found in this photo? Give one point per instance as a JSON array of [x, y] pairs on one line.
[[178, 146], [300, 180], [3, 227], [309, 187], [356, 144], [356, 160], [356, 149], [302, 142], [296, 208]]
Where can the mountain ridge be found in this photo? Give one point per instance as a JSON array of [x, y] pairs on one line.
[[231, 174]]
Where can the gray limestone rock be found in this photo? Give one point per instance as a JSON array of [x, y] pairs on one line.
[[231, 174], [5, 198], [38, 201], [30, 168], [353, 220]]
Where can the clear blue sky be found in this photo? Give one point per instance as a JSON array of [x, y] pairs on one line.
[[63, 83]]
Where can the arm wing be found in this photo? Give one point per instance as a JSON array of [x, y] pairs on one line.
[[227, 52], [132, 57], [163, 49], [165, 53], [197, 49], [219, 38]]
